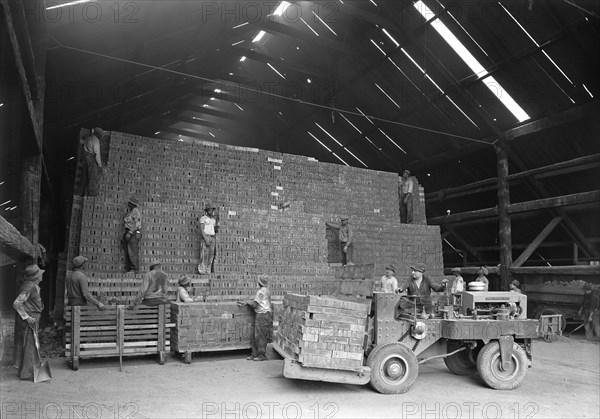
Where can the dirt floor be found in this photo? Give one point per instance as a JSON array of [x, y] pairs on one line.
[[563, 383]]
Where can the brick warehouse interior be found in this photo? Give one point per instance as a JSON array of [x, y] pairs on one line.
[[286, 119]]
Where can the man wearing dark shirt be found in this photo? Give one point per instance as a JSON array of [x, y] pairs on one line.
[[153, 290], [589, 312], [77, 286], [420, 286]]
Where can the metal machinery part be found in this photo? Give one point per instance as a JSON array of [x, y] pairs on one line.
[[490, 302]]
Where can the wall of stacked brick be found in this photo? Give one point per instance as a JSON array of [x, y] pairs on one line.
[[272, 212]]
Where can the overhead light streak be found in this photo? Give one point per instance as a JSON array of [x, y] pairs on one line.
[[275, 70], [324, 23], [259, 36], [391, 37], [388, 96], [393, 142], [309, 27], [240, 25], [71, 3]]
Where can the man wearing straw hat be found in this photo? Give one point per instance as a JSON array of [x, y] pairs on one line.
[[183, 296], [76, 284], [29, 306], [132, 235], [263, 322]]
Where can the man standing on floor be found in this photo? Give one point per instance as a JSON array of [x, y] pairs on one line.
[[132, 235], [406, 198], [153, 290], [346, 236], [263, 322], [208, 239], [77, 286], [28, 306], [92, 167], [589, 312]]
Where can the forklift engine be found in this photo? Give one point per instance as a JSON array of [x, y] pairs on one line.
[[499, 305]]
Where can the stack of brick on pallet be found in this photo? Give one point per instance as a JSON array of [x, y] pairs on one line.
[[212, 326], [323, 332]]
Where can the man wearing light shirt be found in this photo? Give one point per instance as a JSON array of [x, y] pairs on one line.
[[406, 198], [208, 240], [92, 167]]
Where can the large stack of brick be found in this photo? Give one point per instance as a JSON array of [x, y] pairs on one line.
[[323, 332], [272, 212]]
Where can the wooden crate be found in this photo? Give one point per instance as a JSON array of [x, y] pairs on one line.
[[93, 333]]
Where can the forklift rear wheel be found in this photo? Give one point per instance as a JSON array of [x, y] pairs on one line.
[[461, 363], [394, 368], [489, 366]]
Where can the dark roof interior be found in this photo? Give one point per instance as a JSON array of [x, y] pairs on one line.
[[326, 81]]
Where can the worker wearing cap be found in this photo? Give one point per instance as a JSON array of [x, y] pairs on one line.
[[346, 236], [132, 235], [153, 290], [458, 284], [421, 286], [514, 286], [263, 322], [76, 284], [183, 296], [482, 277], [29, 307], [389, 283], [589, 312], [406, 198], [92, 167], [208, 240]]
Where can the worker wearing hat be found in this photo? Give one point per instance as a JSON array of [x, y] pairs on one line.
[[92, 167], [132, 235], [153, 290], [183, 295], [458, 285], [208, 239], [29, 307], [76, 284], [482, 277], [420, 286], [346, 236], [406, 198], [389, 283], [590, 312], [263, 322], [514, 286]]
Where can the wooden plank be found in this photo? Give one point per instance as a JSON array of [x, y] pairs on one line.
[[14, 244], [292, 369], [537, 241]]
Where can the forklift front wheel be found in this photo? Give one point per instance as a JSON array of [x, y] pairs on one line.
[[489, 366], [394, 368]]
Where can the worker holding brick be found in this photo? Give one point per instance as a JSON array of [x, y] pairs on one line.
[[208, 239], [420, 286], [153, 290], [132, 235], [92, 163], [76, 284], [389, 283], [346, 236], [406, 198], [263, 322]]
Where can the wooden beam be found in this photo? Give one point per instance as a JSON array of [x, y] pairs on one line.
[[13, 243], [588, 270], [504, 224], [555, 202], [537, 241], [463, 242]]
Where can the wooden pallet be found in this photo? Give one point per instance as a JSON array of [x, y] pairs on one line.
[[115, 331]]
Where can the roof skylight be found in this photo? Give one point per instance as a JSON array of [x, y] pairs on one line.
[[275, 70], [281, 8], [378, 47], [240, 25], [324, 23], [239, 107], [340, 144], [393, 142], [362, 113], [309, 27], [243, 58], [237, 43], [259, 36], [388, 96], [327, 148], [391, 37], [351, 124], [588, 92], [472, 62]]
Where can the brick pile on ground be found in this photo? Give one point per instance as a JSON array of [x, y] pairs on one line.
[[323, 332]]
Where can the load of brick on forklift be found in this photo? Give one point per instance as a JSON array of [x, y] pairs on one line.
[[323, 332]]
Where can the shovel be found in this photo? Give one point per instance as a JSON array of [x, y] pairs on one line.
[[41, 370]]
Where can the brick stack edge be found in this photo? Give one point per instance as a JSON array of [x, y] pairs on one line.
[[272, 207], [323, 332]]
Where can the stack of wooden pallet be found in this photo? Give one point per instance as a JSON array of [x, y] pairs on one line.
[[323, 332]]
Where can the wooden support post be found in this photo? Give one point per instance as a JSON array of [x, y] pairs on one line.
[[504, 233], [575, 254], [537, 241], [31, 176]]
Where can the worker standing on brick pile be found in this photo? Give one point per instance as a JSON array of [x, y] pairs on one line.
[[208, 239], [78, 293], [132, 235], [482, 277], [153, 290], [406, 198], [421, 286], [346, 237], [92, 163], [459, 283], [389, 283], [263, 321], [29, 306], [183, 296], [589, 312]]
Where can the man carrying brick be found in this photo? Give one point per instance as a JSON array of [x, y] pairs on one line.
[[263, 322], [153, 290], [420, 286], [406, 198], [208, 239], [76, 284], [132, 235], [345, 235]]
